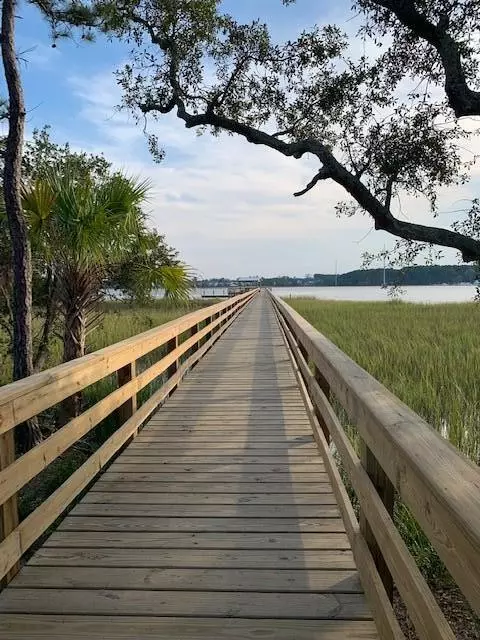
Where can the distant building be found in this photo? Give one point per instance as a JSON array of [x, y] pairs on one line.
[[242, 285]]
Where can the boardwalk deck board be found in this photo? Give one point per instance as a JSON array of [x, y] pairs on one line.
[[217, 521]]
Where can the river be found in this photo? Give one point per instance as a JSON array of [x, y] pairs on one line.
[[422, 294]]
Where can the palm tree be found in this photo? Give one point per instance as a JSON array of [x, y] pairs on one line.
[[83, 229]]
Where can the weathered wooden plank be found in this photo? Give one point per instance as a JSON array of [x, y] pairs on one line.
[[154, 450], [167, 440], [240, 478], [125, 466], [212, 487], [247, 445], [279, 499], [193, 558], [215, 579], [234, 525], [230, 459], [75, 627], [179, 540], [233, 429], [185, 603], [244, 511]]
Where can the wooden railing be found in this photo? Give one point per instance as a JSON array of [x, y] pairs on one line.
[[186, 340], [400, 453]]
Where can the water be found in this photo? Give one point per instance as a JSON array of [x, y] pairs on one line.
[[428, 294]]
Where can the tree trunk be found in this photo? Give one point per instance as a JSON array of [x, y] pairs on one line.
[[73, 347], [29, 434], [48, 322]]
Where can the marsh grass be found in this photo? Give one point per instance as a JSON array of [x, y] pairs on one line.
[[429, 357]]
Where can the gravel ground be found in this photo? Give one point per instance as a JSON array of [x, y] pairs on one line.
[[465, 624]]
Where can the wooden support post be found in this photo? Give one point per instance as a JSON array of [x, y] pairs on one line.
[[172, 369], [209, 334], [128, 408], [386, 492], [192, 332], [325, 387], [303, 351], [9, 510]]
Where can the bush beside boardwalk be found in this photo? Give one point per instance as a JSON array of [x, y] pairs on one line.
[[429, 357]]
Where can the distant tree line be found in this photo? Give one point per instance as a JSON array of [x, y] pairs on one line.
[[419, 275]]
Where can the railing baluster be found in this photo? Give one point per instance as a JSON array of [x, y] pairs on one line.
[[9, 510], [209, 321], [386, 492], [172, 369], [195, 329], [325, 387], [124, 375]]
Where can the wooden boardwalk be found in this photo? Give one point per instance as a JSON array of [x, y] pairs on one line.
[[217, 522]]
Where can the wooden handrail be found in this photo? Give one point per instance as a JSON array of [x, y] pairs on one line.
[[438, 483], [26, 398]]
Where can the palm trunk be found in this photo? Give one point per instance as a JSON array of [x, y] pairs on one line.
[[48, 323], [74, 336], [21, 258]]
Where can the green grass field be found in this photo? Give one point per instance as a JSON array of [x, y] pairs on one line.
[[427, 355]]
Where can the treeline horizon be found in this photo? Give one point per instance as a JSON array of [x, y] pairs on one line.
[[415, 275]]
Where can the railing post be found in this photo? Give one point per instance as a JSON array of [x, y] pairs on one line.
[[128, 408], [194, 347], [9, 510], [173, 368], [325, 387], [386, 492], [208, 335]]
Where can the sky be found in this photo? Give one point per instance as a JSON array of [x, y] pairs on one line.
[[225, 204]]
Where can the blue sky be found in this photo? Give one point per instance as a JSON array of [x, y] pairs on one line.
[[225, 204]]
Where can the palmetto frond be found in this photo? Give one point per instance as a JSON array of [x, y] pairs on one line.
[[87, 222], [176, 281]]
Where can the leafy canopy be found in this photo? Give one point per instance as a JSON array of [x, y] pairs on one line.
[[374, 123]]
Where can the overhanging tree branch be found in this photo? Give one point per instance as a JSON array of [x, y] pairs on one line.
[[382, 216], [323, 174], [463, 100], [252, 108]]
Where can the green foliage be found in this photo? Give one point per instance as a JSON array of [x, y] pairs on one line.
[[407, 53], [87, 232], [42, 155], [373, 131]]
